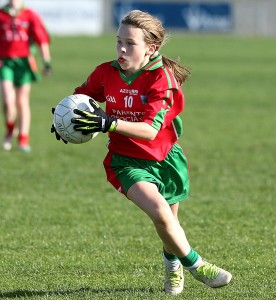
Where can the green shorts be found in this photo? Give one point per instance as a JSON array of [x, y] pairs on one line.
[[17, 70], [170, 175]]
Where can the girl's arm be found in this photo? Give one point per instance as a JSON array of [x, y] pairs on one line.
[[139, 130]]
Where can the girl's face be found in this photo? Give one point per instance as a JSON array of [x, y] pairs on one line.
[[132, 51]]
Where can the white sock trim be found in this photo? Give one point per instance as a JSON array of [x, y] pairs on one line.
[[198, 263], [171, 265]]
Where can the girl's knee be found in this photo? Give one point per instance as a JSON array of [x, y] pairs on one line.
[[162, 216]]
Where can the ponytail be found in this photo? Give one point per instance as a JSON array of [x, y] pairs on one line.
[[180, 72]]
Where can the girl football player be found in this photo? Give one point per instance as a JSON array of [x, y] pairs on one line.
[[142, 91], [20, 27]]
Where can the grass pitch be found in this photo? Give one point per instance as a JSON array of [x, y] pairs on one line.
[[66, 234]]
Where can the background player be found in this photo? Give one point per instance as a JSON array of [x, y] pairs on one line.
[[20, 29]]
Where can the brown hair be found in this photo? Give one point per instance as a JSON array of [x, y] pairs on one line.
[[155, 34]]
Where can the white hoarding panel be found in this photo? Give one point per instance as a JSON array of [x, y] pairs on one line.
[[65, 17]]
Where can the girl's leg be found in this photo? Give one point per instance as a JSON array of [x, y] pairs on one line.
[[174, 208], [146, 196], [8, 94], [174, 276], [24, 112]]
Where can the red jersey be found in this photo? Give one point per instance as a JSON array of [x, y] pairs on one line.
[[19, 31], [152, 95]]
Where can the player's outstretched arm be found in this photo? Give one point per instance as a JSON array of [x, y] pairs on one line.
[[140, 130], [98, 120]]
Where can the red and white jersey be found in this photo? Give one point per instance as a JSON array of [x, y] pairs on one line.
[[19, 31], [152, 95]]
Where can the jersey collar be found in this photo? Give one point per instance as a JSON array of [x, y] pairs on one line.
[[150, 66], [154, 64]]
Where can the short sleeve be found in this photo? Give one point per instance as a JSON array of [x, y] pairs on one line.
[[165, 101]]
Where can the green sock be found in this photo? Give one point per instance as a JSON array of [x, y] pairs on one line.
[[169, 256], [191, 259]]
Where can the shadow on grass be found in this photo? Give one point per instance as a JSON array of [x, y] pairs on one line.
[[23, 293]]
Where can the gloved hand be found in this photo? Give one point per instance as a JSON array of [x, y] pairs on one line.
[[53, 130], [96, 121], [47, 69]]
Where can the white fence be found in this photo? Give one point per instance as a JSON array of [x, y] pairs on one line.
[[93, 17], [64, 17]]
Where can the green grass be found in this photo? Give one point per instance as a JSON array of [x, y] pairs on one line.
[[66, 234]]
